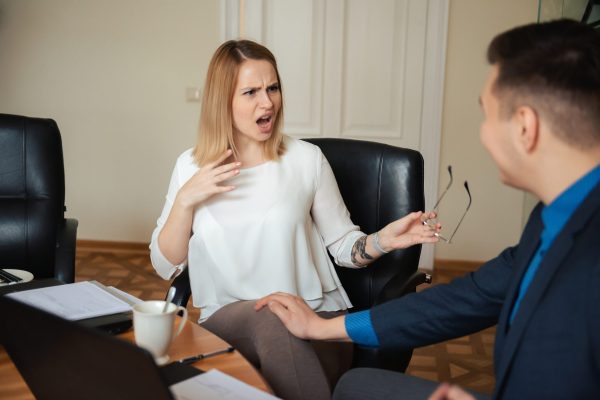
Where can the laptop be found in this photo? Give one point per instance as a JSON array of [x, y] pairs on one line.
[[61, 359], [113, 323]]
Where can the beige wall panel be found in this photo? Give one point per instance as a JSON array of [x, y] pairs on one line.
[[494, 221], [297, 33], [113, 74]]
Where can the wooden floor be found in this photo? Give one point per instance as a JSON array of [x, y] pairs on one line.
[[466, 361]]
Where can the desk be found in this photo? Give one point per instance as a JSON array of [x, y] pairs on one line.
[[193, 340]]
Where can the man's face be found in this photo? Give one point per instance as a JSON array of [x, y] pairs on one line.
[[497, 133]]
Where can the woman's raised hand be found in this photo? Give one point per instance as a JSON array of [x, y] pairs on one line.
[[408, 231], [206, 182]]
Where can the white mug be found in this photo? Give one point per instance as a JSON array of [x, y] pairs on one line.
[[153, 329]]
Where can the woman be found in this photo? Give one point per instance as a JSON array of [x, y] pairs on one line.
[[251, 212]]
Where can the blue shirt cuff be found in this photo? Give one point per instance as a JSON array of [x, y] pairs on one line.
[[360, 328]]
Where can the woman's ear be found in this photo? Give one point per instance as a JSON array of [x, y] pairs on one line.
[[528, 123]]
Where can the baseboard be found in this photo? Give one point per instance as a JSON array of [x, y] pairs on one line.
[[457, 265], [107, 245], [116, 246]]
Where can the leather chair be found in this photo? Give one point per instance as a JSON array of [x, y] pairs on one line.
[[34, 234], [379, 184]]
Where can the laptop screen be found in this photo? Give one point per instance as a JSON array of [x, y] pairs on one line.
[[61, 359]]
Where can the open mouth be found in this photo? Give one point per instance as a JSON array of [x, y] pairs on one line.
[[265, 124], [264, 120]]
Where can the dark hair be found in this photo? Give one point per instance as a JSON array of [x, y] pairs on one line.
[[553, 67]]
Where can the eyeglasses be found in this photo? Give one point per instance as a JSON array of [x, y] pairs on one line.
[[433, 222]]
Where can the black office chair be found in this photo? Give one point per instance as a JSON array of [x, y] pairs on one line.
[[34, 234], [379, 184]]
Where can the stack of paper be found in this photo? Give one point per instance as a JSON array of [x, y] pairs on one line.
[[73, 301], [215, 385]]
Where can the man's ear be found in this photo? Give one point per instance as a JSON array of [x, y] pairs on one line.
[[528, 123]]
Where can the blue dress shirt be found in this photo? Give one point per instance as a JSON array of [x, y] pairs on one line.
[[554, 217]]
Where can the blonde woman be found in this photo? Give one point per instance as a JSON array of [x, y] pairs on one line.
[[250, 211]]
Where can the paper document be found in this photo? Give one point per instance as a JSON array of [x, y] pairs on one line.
[[215, 385], [128, 298], [119, 294], [73, 301]]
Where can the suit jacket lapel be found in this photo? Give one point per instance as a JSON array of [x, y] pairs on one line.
[[552, 261], [527, 246]]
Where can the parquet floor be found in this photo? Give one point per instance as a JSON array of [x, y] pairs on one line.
[[466, 361]]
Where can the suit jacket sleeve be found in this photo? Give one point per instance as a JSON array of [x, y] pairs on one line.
[[446, 311]]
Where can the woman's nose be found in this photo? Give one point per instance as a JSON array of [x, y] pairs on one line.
[[265, 100]]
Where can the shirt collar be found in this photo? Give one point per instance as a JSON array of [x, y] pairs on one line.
[[556, 214]]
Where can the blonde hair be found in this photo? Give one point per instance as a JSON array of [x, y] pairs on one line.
[[215, 134]]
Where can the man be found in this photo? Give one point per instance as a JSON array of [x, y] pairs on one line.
[[541, 106]]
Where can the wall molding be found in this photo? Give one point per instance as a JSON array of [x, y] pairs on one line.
[[433, 104]]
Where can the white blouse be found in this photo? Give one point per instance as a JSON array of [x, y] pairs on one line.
[[271, 233]]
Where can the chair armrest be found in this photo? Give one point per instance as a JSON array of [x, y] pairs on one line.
[[402, 284], [183, 291], [66, 243]]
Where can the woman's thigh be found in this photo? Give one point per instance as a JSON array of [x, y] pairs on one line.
[[255, 332], [263, 339]]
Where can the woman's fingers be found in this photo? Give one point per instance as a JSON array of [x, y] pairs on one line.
[[226, 168], [219, 160], [226, 175], [428, 215]]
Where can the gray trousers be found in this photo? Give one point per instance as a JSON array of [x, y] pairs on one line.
[[294, 368], [372, 384]]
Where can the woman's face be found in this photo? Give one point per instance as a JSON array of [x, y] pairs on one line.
[[256, 102]]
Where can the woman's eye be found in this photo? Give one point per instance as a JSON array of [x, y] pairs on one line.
[[273, 88], [249, 92]]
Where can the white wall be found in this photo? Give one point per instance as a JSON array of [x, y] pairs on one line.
[[113, 74], [495, 219]]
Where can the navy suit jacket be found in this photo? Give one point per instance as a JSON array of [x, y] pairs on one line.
[[552, 348]]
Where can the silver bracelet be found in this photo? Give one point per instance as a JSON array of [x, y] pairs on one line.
[[376, 244]]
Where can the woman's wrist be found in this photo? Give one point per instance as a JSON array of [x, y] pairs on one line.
[[377, 245], [182, 202]]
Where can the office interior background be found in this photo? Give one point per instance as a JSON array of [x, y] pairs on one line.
[[118, 77]]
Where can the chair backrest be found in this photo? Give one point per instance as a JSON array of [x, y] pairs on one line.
[[32, 193], [379, 184]]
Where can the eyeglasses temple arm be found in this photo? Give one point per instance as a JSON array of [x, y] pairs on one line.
[[437, 203], [465, 213]]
